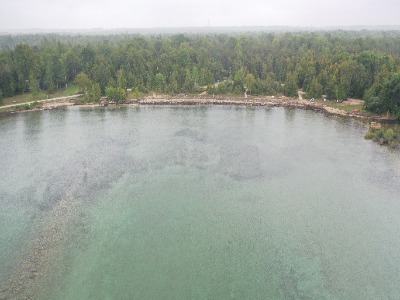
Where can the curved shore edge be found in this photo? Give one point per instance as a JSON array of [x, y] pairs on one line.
[[269, 101], [265, 101]]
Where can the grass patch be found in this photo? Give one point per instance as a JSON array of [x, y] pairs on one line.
[[20, 107], [3, 110], [29, 97], [345, 107]]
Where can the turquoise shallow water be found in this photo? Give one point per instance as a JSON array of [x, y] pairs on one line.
[[196, 203]]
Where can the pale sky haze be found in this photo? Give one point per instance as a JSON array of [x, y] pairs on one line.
[[108, 14]]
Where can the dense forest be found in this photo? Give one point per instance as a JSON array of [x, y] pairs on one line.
[[337, 65]]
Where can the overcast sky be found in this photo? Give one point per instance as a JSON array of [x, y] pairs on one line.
[[86, 14]]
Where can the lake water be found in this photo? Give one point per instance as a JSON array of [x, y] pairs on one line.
[[196, 203]]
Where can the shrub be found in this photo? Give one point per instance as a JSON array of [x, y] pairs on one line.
[[389, 135], [116, 94], [393, 144], [369, 135], [380, 133]]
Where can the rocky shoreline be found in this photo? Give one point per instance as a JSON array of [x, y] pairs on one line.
[[264, 101], [269, 101]]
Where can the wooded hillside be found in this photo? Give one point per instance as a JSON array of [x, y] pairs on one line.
[[335, 64]]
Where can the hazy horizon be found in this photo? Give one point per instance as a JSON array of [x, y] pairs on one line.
[[151, 14]]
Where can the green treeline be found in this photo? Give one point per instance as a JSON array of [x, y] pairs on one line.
[[335, 64]]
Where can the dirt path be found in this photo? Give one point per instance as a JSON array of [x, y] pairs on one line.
[[60, 99], [300, 93]]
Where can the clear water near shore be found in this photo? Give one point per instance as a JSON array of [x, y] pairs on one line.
[[196, 203]]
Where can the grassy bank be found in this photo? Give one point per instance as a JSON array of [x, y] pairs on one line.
[[346, 107], [21, 107], [29, 97]]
